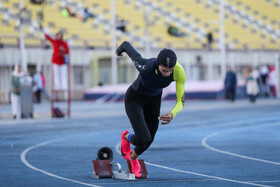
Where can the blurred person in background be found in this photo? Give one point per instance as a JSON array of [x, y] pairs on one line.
[[70, 12], [38, 86], [60, 60], [44, 86], [272, 80], [15, 92], [40, 17], [252, 88], [64, 12], [143, 100], [210, 40], [174, 31], [259, 79], [230, 84], [1, 44], [87, 14], [264, 81], [120, 24], [37, 2]]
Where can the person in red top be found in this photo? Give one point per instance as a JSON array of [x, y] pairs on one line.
[[272, 81], [60, 60]]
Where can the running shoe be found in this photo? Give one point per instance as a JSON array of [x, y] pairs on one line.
[[125, 146], [136, 168]]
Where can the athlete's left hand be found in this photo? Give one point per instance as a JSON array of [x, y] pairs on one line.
[[166, 118], [116, 52]]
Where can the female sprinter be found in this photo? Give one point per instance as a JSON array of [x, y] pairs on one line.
[[143, 99]]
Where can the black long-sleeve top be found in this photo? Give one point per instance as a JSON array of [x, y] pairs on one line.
[[149, 81]]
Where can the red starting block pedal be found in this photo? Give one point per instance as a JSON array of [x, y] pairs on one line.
[[102, 169], [143, 168]]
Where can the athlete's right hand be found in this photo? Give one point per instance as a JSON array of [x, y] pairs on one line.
[[166, 118]]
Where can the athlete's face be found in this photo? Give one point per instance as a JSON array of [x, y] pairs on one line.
[[19, 68], [165, 71], [59, 36]]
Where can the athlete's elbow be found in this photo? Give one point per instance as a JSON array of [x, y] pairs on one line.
[[125, 43]]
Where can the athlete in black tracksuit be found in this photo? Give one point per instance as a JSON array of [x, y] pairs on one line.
[[143, 97]]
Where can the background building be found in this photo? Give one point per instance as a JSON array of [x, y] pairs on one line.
[[244, 33]]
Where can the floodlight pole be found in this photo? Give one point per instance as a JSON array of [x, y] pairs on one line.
[[147, 32], [222, 39], [23, 59], [277, 70], [113, 43]]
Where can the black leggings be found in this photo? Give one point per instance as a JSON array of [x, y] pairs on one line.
[[143, 112]]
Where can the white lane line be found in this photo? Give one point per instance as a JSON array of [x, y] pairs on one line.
[[204, 143], [193, 173], [23, 159], [276, 181], [7, 154]]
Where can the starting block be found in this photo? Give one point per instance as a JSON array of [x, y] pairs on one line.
[[102, 167]]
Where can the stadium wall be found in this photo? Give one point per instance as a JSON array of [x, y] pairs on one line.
[[93, 67]]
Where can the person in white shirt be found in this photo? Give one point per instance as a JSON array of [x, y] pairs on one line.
[[38, 86], [15, 91]]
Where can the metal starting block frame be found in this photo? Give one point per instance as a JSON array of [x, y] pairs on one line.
[[124, 175], [104, 169]]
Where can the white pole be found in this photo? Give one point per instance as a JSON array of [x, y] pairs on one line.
[[21, 42], [147, 32], [209, 58], [256, 59], [277, 70], [222, 39], [113, 43]]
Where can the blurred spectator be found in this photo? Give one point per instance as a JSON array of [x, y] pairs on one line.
[[230, 84], [120, 24], [15, 92], [264, 76], [87, 15], [258, 75], [40, 16], [252, 88], [44, 86], [37, 2], [71, 14], [210, 40], [272, 80], [60, 60], [65, 13], [38, 86], [100, 83], [25, 15], [1, 44], [174, 31]]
